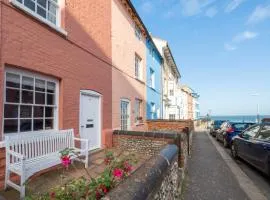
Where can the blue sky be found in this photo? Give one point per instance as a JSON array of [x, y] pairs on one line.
[[222, 49]]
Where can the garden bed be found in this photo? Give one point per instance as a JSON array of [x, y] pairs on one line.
[[61, 181]]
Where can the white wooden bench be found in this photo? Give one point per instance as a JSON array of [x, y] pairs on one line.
[[27, 154]]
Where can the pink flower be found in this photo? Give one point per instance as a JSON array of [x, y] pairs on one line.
[[118, 173], [66, 161]]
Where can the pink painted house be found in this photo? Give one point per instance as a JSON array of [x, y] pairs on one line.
[[129, 67]]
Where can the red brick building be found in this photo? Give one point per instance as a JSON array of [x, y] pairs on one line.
[[55, 68]]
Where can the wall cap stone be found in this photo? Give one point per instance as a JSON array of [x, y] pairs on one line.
[[147, 178], [152, 134]]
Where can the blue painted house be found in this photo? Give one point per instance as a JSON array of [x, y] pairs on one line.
[[154, 63]]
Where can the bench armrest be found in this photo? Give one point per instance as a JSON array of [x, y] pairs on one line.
[[83, 140], [80, 139], [15, 154]]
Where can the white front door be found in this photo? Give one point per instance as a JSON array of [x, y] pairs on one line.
[[90, 118], [125, 115]]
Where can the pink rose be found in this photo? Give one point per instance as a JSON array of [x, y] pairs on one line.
[[118, 173], [66, 161]]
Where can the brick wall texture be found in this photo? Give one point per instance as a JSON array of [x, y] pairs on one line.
[[169, 125], [81, 60]]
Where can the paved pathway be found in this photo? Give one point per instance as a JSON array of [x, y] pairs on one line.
[[208, 176]]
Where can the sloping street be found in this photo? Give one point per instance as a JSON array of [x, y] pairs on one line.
[[208, 175]]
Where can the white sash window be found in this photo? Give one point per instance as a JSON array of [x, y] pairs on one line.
[[30, 102]]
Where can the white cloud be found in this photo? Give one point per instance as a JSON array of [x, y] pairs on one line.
[[229, 47], [194, 7], [247, 35], [261, 13], [147, 7], [233, 5], [211, 12]]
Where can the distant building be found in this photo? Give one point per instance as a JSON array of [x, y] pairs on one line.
[[191, 106], [196, 106], [170, 78], [153, 83]]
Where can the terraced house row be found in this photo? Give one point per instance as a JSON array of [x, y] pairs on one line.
[[88, 66]]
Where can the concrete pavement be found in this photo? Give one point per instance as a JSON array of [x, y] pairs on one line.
[[208, 176]]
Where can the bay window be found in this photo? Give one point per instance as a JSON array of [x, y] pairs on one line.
[[30, 102]]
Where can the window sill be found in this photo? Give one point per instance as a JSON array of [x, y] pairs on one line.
[[138, 79], [36, 16], [152, 88], [139, 124], [2, 144]]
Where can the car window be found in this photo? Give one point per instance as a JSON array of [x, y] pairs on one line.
[[251, 132], [264, 133], [240, 126], [218, 123]]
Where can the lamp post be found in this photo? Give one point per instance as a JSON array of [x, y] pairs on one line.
[[258, 106]]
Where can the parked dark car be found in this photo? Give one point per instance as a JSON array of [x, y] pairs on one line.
[[253, 146], [216, 126], [234, 129], [219, 133]]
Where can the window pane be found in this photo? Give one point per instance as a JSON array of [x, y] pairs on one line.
[[52, 8], [19, 1], [49, 112], [40, 98], [26, 111], [264, 133], [50, 87], [38, 111], [11, 111], [38, 124], [10, 126], [50, 99], [41, 12], [48, 124], [40, 85], [42, 3], [27, 97], [29, 4], [25, 125], [12, 95], [51, 18], [13, 80], [27, 83]]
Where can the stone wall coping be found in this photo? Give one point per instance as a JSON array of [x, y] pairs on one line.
[[153, 134], [168, 120], [147, 178]]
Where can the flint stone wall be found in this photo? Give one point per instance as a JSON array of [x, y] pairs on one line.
[[157, 179]]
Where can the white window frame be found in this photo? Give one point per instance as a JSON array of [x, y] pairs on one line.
[[153, 109], [56, 26], [172, 116], [138, 32], [22, 73], [128, 110], [138, 67], [152, 78], [138, 110], [171, 91]]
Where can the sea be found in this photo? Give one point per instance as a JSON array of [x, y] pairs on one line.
[[240, 118]]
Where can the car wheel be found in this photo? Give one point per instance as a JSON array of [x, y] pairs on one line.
[[234, 151], [225, 143]]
